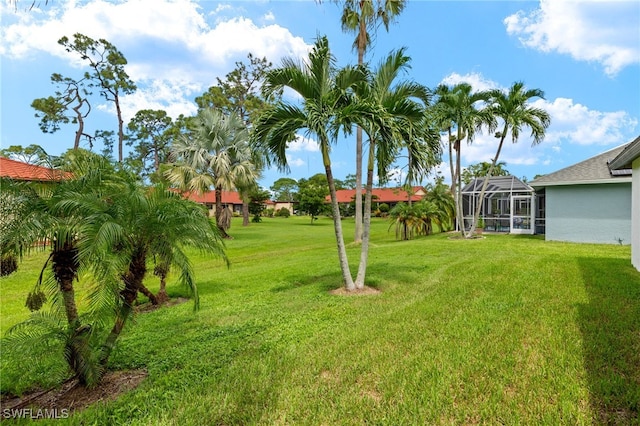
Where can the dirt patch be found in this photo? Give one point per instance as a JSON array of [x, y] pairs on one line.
[[71, 396], [149, 307], [364, 291]]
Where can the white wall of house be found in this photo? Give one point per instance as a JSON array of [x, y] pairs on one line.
[[635, 215], [589, 213]]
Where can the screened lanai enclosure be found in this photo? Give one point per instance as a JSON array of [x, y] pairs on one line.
[[510, 205]]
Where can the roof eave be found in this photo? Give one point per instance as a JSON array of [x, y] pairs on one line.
[[626, 179]]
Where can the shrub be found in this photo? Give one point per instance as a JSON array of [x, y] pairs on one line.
[[269, 212], [383, 207], [283, 212]]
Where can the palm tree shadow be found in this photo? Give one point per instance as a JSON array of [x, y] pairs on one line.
[[610, 326]]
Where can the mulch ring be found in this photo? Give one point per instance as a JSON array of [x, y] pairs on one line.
[[71, 396], [364, 291]]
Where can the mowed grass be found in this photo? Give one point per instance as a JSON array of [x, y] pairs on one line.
[[500, 330]]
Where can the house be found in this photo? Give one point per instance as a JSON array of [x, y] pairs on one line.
[[390, 196], [277, 205], [588, 202], [19, 171], [230, 200], [508, 205], [629, 158]]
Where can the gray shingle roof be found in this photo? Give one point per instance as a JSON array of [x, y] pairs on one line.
[[590, 171]]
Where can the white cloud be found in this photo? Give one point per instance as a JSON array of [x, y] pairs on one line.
[[476, 80], [577, 124], [295, 162], [604, 31], [571, 123], [172, 48], [303, 143], [269, 17]]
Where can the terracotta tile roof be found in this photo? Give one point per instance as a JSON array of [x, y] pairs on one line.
[[18, 170], [228, 197], [381, 195]]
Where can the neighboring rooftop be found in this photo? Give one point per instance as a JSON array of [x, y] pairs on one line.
[[590, 171], [498, 184], [18, 170], [228, 197], [381, 195]]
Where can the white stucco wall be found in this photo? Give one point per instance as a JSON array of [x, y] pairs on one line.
[[589, 213], [635, 215]]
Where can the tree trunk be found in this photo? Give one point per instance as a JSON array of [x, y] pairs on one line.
[[245, 212], [337, 224], [219, 213], [80, 131], [485, 183], [358, 216], [453, 170], [364, 250], [152, 298], [458, 194], [132, 282], [116, 99], [162, 295], [64, 263], [362, 40]]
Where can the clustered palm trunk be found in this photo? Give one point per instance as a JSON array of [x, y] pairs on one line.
[[132, 280]]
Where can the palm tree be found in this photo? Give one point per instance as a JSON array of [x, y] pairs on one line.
[[404, 217], [428, 214], [457, 109], [402, 124], [514, 110], [327, 105], [361, 17], [217, 155], [151, 222], [44, 216], [439, 195]]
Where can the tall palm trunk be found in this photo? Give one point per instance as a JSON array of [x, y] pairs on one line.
[[364, 250], [132, 281], [362, 42], [337, 224], [453, 171], [458, 193], [485, 183]]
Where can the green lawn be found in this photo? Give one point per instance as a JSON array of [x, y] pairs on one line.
[[502, 330]]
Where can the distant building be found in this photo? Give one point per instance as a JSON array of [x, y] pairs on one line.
[[230, 200], [390, 196], [19, 171]]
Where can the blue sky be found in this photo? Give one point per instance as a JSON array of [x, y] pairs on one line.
[[584, 55]]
